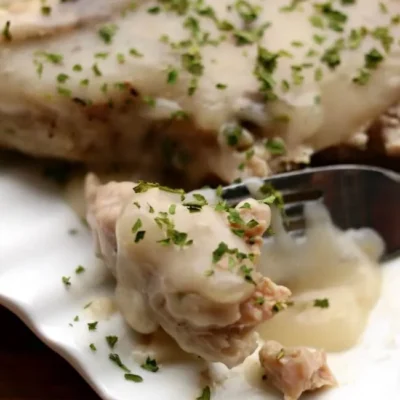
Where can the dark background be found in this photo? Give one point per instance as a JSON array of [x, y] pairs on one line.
[[31, 371]]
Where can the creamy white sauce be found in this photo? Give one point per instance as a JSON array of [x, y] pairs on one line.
[[341, 267]]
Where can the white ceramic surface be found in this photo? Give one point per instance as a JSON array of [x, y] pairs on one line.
[[36, 250]]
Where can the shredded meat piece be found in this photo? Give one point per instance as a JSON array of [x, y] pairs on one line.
[[294, 370], [210, 306]]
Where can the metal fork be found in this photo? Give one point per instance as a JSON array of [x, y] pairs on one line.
[[356, 196]]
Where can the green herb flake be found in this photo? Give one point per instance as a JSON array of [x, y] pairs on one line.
[[46, 10], [120, 58], [76, 319], [382, 34], [6, 33], [77, 68], [373, 58], [107, 32], [137, 225], [321, 303], [275, 146], [278, 306], [117, 361], [331, 57], [66, 280], [79, 269], [140, 236], [172, 76], [259, 301], [150, 365], [172, 209], [247, 11], [92, 347], [317, 22], [280, 354], [150, 101], [111, 341], [64, 91], [221, 86], [232, 134], [247, 274], [96, 70], [219, 252], [154, 10], [205, 394], [92, 326], [133, 378], [135, 53]]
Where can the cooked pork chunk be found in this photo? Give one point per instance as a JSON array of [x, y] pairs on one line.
[[186, 266], [209, 87], [294, 370]]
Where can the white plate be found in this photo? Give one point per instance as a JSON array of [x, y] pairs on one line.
[[36, 250]]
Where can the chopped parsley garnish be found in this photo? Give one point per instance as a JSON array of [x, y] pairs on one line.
[[53, 58], [143, 187], [154, 10], [135, 53], [247, 274], [133, 378], [382, 34], [335, 18], [112, 341], [260, 300], [102, 55], [172, 76], [76, 319], [280, 354], [140, 236], [137, 225], [273, 197], [219, 252], [197, 204], [248, 12], [362, 78], [46, 10], [120, 58], [192, 62], [275, 146], [77, 68], [92, 347], [116, 360], [87, 305], [150, 365], [179, 115], [92, 326], [6, 31], [107, 32], [373, 58], [232, 134], [66, 280], [265, 66], [221, 86], [321, 303], [205, 394], [278, 306], [150, 101], [331, 57], [96, 70], [172, 209], [64, 91], [79, 269]]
